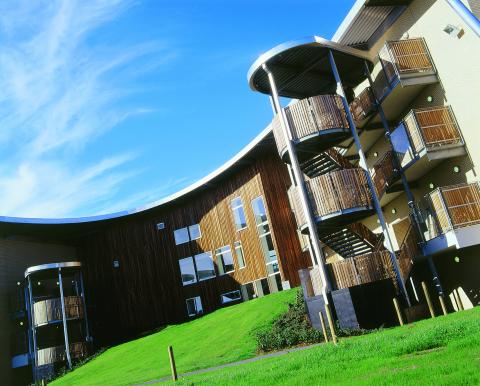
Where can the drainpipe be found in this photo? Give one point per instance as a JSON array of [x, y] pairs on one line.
[[467, 16]]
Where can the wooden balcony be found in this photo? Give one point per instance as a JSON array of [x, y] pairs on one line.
[[452, 207], [409, 250], [56, 354], [407, 61], [336, 198], [384, 173], [317, 123], [50, 310], [361, 269]]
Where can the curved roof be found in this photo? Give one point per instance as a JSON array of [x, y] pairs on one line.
[[204, 182], [46, 267], [301, 67]]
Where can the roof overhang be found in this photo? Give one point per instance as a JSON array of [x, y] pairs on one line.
[[47, 267], [367, 20], [301, 67]]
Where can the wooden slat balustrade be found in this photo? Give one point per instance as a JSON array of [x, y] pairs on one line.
[[50, 310], [361, 269], [363, 105], [310, 116], [409, 248], [384, 173], [57, 354], [438, 126]]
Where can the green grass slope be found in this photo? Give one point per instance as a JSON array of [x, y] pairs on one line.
[[224, 336], [440, 351]]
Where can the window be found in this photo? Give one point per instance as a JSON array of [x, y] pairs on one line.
[[259, 210], [273, 268], [230, 297], [194, 231], [184, 235], [267, 247], [238, 214], [205, 267], [194, 306], [239, 254], [248, 291], [224, 260], [187, 270], [181, 236]]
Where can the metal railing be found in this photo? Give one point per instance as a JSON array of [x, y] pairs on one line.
[[310, 116], [403, 57], [432, 128], [450, 207]]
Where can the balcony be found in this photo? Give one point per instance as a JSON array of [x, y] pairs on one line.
[[50, 310], [452, 217], [363, 107], [336, 198], [317, 123], [427, 135], [56, 354], [361, 269]]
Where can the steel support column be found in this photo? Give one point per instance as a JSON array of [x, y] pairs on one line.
[[82, 294], [397, 165], [33, 333], [363, 165], [64, 319], [300, 183]]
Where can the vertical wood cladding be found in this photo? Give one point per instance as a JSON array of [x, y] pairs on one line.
[[146, 290]]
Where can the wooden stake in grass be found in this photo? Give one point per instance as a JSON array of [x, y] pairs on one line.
[[330, 323], [324, 328], [429, 301], [399, 311], [442, 303], [172, 363]]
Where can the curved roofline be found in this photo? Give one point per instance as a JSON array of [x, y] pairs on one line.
[[45, 267], [317, 40], [110, 216]]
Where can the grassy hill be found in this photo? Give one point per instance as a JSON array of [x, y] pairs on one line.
[[227, 335], [440, 351]]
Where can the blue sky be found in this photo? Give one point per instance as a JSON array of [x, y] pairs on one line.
[[109, 105]]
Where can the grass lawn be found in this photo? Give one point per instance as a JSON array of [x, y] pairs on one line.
[[440, 351], [227, 335]]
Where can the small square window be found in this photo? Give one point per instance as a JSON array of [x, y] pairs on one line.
[[194, 306], [194, 231], [160, 226], [231, 296], [187, 270], [181, 236], [205, 266]]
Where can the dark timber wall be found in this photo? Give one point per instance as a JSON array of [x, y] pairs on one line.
[[146, 291]]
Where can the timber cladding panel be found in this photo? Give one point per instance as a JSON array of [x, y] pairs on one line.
[[146, 291]]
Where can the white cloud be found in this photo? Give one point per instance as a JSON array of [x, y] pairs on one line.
[[58, 94]]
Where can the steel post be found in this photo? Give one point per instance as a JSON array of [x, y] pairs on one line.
[[64, 319]]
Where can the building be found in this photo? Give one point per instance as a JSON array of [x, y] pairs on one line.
[[380, 141]]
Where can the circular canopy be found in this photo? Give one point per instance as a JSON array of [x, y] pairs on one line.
[[46, 267], [301, 68]]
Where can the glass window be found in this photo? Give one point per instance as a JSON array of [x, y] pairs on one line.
[[181, 236], [267, 247], [224, 260], [230, 297], [187, 270], [205, 267], [265, 287], [238, 214], [194, 306], [259, 210], [273, 268], [239, 254], [194, 231], [401, 144], [249, 291]]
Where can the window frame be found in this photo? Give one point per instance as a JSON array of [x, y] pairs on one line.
[[175, 237], [210, 256], [238, 245], [197, 311], [233, 209], [220, 255], [190, 233], [194, 270], [231, 300]]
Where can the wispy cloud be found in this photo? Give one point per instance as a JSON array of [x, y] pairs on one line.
[[60, 87]]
